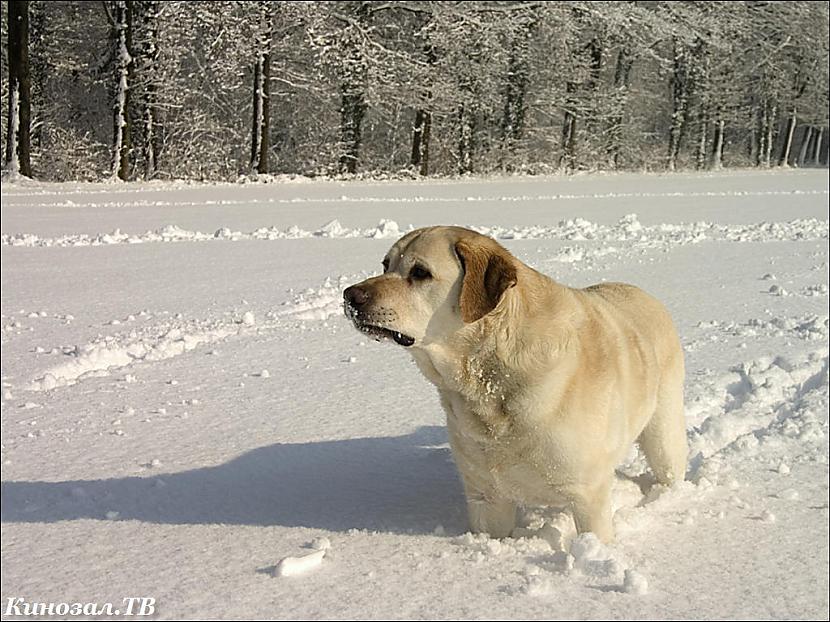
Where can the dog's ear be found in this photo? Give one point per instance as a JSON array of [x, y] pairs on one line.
[[488, 272]]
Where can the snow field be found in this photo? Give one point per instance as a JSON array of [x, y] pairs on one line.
[[196, 422]]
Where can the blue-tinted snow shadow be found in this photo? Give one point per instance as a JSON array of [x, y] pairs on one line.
[[399, 484]]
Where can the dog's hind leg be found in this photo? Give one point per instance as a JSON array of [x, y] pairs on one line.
[[663, 440]]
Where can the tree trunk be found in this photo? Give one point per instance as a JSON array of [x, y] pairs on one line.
[[763, 124], [422, 129], [353, 84], [680, 104], [806, 139], [591, 55], [788, 139], [717, 148], [466, 145], [123, 73], [513, 117], [753, 145], [149, 113], [771, 115], [39, 69], [18, 144], [702, 138], [622, 80], [817, 147], [420, 141], [262, 92], [568, 159], [352, 110]]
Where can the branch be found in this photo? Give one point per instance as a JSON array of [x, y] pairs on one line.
[[110, 17]]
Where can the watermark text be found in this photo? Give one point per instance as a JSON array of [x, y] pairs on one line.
[[130, 606]]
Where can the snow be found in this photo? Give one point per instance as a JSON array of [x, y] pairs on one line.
[[292, 566], [154, 442], [635, 583]]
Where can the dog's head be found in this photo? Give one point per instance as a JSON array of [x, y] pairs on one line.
[[435, 281]]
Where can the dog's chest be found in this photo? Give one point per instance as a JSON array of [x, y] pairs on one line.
[[518, 463], [495, 422]]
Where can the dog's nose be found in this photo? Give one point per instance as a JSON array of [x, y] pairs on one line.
[[356, 296]]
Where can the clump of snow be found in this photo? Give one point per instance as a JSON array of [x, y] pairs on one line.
[[318, 303], [591, 557], [539, 586], [321, 544], [332, 229], [385, 229], [293, 566], [635, 583]]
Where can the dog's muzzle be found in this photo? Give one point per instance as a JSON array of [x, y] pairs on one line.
[[355, 306]]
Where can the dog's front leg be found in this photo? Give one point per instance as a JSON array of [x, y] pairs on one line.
[[496, 517], [592, 510], [487, 511]]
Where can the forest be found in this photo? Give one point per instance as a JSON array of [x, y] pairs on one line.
[[196, 90]]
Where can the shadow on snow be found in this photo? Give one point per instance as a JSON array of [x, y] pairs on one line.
[[400, 484]]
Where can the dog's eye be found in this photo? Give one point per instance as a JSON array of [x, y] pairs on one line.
[[419, 273], [385, 265]]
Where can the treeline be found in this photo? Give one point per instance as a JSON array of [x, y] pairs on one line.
[[143, 89]]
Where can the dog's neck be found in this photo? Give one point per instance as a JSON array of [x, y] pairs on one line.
[[489, 360]]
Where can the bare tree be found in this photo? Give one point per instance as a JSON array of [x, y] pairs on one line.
[[148, 78], [262, 88], [122, 119], [18, 143]]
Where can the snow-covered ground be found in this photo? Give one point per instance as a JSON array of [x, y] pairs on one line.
[[187, 416]]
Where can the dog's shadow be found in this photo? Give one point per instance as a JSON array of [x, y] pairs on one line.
[[402, 484]]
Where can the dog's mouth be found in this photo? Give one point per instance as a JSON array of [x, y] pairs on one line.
[[379, 333]]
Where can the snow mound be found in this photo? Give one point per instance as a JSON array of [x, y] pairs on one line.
[[317, 303], [594, 559], [762, 402], [627, 229], [293, 566], [111, 352]]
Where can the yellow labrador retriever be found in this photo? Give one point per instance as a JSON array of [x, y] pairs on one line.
[[545, 387]]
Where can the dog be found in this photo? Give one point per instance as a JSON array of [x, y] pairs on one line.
[[545, 387]]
